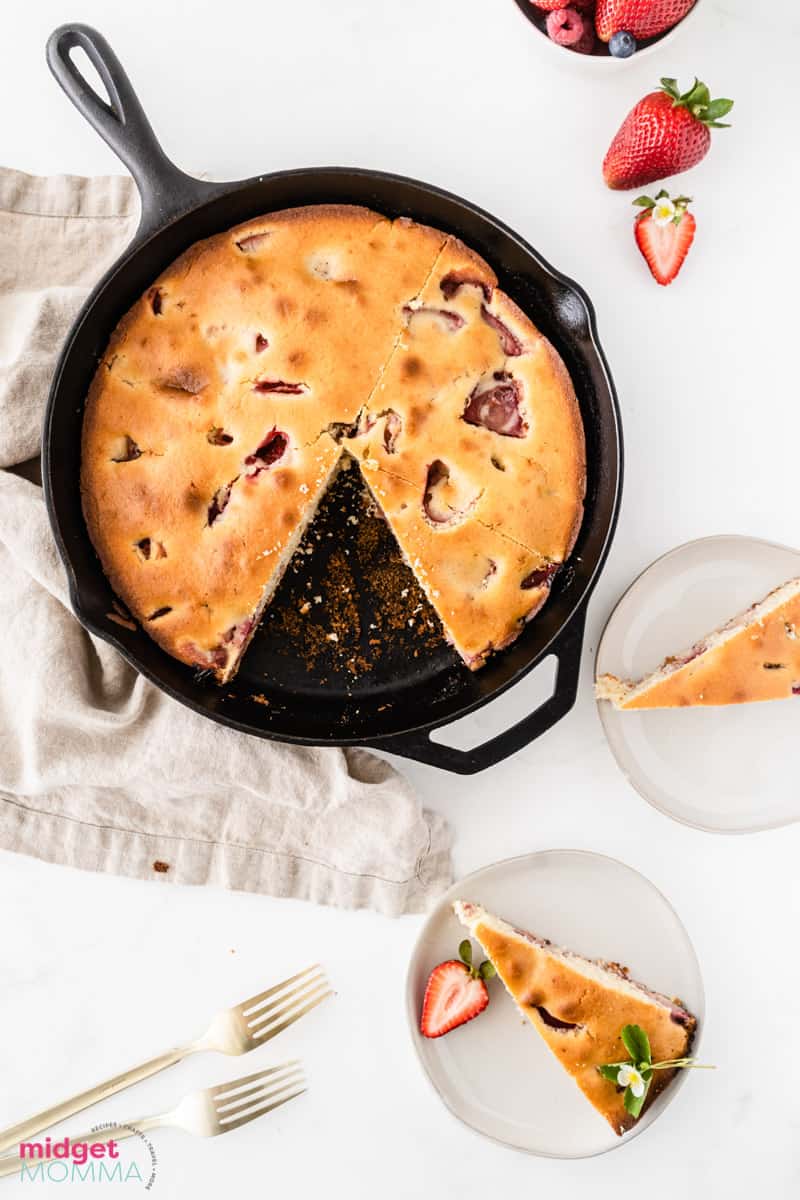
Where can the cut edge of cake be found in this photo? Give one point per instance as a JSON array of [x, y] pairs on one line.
[[625, 693], [223, 674]]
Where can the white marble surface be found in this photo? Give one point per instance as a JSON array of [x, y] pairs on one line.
[[96, 971]]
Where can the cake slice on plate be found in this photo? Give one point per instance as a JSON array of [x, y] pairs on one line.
[[755, 656], [579, 1007]]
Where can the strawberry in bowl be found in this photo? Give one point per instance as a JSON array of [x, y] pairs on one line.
[[623, 24]]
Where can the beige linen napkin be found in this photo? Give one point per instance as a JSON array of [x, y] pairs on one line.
[[98, 769]]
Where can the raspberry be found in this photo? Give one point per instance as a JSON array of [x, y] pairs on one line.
[[566, 27], [587, 42]]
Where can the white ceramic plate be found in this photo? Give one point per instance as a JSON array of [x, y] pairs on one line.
[[495, 1073], [730, 769]]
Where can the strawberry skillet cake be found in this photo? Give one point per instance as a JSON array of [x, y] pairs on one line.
[[229, 394]]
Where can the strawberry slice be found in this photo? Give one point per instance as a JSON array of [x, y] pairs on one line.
[[456, 992], [664, 233]]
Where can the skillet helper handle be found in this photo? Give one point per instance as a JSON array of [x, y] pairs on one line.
[[567, 648], [166, 191]]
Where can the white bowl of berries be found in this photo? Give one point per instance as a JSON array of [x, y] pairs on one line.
[[602, 31]]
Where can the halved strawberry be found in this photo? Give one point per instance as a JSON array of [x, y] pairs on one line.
[[664, 232], [456, 992]]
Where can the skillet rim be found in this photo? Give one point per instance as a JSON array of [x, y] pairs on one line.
[[610, 485]]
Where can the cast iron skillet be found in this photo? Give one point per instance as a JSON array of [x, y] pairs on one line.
[[407, 693]]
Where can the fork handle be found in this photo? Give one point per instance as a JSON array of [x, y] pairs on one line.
[[59, 1112], [12, 1163]]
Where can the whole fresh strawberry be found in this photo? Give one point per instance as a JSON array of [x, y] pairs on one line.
[[456, 993], [641, 18], [664, 233], [665, 133]]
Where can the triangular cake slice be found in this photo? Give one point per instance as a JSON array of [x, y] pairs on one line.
[[475, 391], [579, 1006], [755, 656], [483, 586]]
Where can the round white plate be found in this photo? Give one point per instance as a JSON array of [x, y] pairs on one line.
[[728, 770], [495, 1073]]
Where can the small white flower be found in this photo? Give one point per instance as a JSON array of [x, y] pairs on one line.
[[629, 1077], [664, 211]]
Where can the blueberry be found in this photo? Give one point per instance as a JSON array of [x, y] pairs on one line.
[[622, 45]]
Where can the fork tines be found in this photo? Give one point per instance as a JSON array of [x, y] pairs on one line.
[[236, 1103], [280, 1006]]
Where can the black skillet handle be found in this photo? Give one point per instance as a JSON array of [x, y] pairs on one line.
[[567, 648], [165, 190]]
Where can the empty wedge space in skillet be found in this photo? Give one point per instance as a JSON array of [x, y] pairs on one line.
[[229, 393], [579, 1006]]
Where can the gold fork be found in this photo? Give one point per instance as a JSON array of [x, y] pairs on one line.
[[205, 1114], [233, 1031]]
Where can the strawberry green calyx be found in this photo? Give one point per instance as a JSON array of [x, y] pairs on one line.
[[664, 210], [484, 971], [698, 102]]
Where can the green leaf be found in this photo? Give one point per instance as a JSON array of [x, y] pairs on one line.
[[660, 195], [465, 952], [637, 1043], [644, 202], [687, 95], [699, 97], [487, 970], [610, 1071], [635, 1104], [717, 109], [670, 86]]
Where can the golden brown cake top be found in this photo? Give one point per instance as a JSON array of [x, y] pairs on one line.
[[228, 393]]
